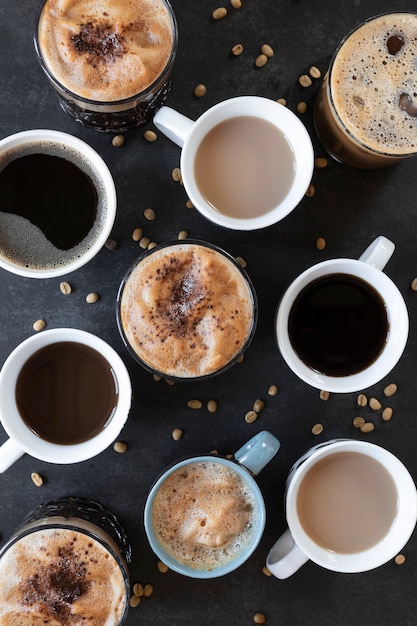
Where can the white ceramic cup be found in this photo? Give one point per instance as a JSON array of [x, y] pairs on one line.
[[188, 135], [21, 438], [368, 268], [90, 162], [295, 547]]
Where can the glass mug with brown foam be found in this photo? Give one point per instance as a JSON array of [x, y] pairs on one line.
[[109, 62], [366, 110], [351, 506], [246, 163], [186, 310], [65, 395], [67, 563], [342, 325], [40, 169], [205, 515]]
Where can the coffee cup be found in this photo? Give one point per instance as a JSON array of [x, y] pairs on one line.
[[342, 325], [205, 515], [58, 203], [65, 395], [66, 563], [246, 163], [351, 506]]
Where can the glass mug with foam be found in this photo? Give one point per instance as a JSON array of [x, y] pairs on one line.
[[66, 563], [351, 506], [40, 169], [246, 163], [342, 325], [65, 395], [205, 515]]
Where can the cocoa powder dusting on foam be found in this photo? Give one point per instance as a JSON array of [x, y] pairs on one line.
[[100, 41]]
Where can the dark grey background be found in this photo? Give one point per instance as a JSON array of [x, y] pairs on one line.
[[349, 209]]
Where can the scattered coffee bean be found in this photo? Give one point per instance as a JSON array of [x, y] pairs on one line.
[[241, 358], [120, 447], [237, 49], [368, 427], [358, 422], [414, 284], [39, 325], [314, 72], [200, 91], [92, 297], [250, 417], [259, 618], [150, 136], [147, 590], [320, 162], [134, 601], [317, 429], [169, 382], [324, 395], [236, 4], [266, 571], [261, 60], [310, 191], [282, 101], [137, 234], [399, 559], [212, 406], [301, 107], [162, 567], [152, 245], [111, 244], [36, 479], [374, 404], [387, 414], [149, 214], [390, 390], [272, 390], [241, 261], [194, 404], [219, 13], [362, 400], [267, 50], [305, 81], [320, 243], [118, 141], [189, 204], [214, 452], [176, 174], [65, 288], [144, 242], [177, 434], [156, 377], [138, 590], [183, 234], [258, 405]]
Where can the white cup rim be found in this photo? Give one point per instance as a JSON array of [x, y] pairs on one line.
[[27, 440], [397, 334], [43, 135], [286, 121], [390, 545]]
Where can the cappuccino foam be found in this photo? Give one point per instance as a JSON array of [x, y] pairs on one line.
[[60, 577], [105, 51], [373, 83], [22, 242], [186, 310], [204, 515]]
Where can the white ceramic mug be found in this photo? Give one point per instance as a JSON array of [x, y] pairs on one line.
[[189, 135], [368, 268], [76, 151], [22, 439], [295, 547]]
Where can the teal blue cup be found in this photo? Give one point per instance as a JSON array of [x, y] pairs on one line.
[[247, 462]]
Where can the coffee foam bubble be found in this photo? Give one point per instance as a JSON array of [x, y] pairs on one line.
[[204, 515], [22, 243], [60, 576], [367, 82], [186, 310]]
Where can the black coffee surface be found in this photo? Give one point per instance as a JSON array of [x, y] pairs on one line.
[[66, 393], [53, 194], [338, 325]]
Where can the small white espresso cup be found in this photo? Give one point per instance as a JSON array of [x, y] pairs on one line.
[[24, 249], [22, 439], [368, 268], [189, 135], [296, 546]]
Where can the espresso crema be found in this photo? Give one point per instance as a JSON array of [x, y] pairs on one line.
[[186, 310], [60, 577], [105, 50]]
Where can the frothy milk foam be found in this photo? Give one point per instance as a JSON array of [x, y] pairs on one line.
[[186, 310], [105, 51], [204, 515], [60, 577], [373, 83], [22, 242]]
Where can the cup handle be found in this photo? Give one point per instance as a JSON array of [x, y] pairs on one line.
[[285, 557], [378, 253], [173, 124], [258, 451], [10, 452]]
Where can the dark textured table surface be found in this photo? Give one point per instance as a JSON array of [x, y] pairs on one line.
[[349, 209]]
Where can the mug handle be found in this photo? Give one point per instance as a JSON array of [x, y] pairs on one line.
[[10, 452], [258, 451], [378, 253], [285, 557], [174, 125]]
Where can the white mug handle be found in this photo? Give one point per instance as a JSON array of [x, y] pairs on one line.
[[174, 125], [378, 253], [10, 452], [285, 557]]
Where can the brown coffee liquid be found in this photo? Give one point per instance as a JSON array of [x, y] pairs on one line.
[[338, 325], [244, 167], [347, 502], [53, 194], [66, 393]]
